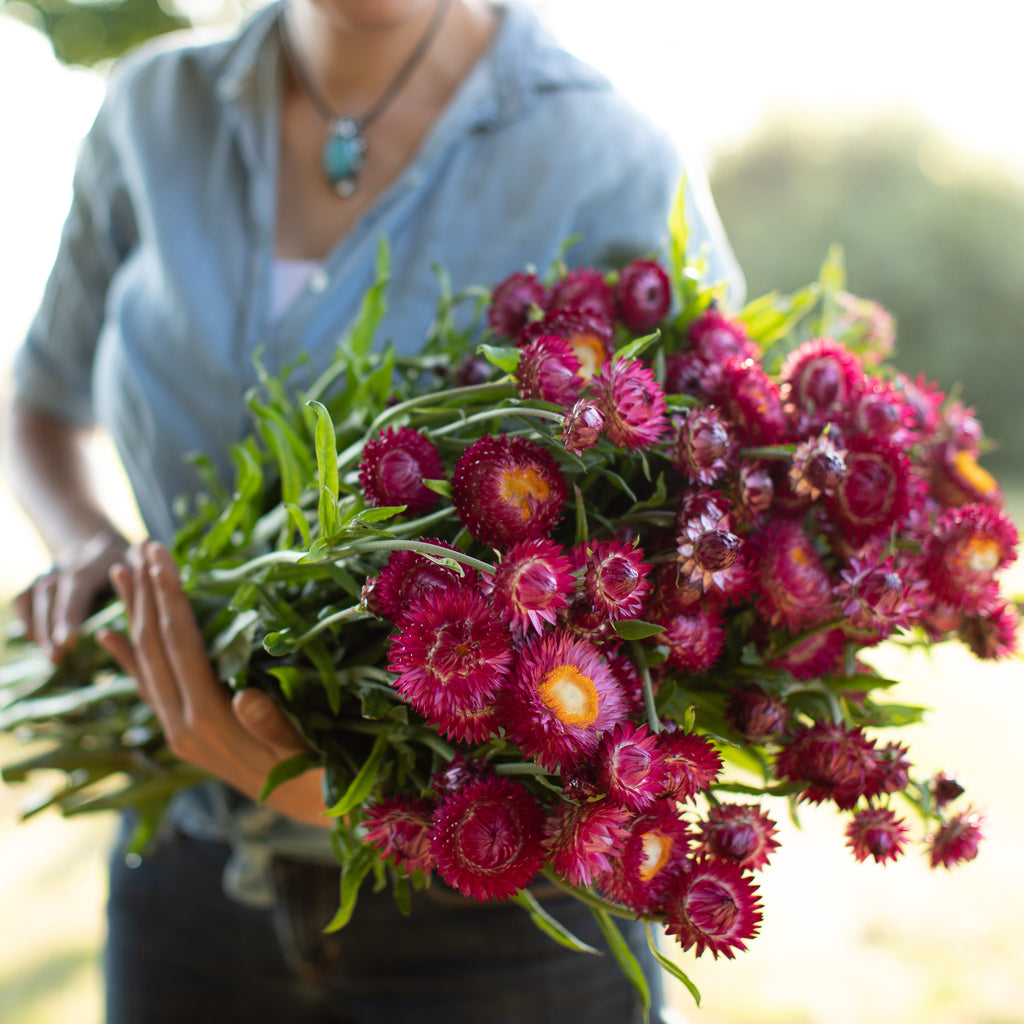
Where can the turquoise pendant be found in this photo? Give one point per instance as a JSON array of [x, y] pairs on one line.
[[342, 156]]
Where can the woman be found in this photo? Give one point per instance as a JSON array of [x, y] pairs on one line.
[[230, 198]]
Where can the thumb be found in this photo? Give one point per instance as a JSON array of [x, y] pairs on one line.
[[264, 720]]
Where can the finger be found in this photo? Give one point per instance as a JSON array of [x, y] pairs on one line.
[[156, 678], [70, 606], [120, 649], [42, 612], [263, 719]]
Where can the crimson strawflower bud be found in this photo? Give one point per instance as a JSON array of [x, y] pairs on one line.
[[584, 291], [581, 427], [738, 832], [513, 303], [818, 467], [945, 789], [704, 445], [394, 466], [643, 294], [756, 715], [956, 840], [876, 832]]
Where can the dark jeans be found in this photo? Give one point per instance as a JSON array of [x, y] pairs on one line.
[[181, 952]]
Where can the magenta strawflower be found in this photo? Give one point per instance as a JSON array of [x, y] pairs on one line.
[[756, 715], [694, 637], [532, 583], [873, 596], [715, 337], [563, 695], [394, 466], [614, 577], [452, 653], [818, 467], [507, 489], [709, 553], [822, 380], [584, 291], [956, 840], [467, 725], [400, 828], [643, 294], [713, 908], [652, 856], [583, 840], [794, 588], [691, 762], [514, 303], [630, 680], [409, 576], [582, 426], [589, 336], [837, 763], [549, 370], [632, 403], [876, 832], [488, 839], [968, 546], [751, 402], [956, 478], [630, 767], [704, 446], [742, 833]]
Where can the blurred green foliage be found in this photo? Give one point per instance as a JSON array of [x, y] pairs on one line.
[[91, 32], [935, 239]]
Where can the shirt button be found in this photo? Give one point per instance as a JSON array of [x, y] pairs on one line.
[[318, 281]]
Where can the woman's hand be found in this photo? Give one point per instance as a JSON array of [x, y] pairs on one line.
[[55, 604], [239, 740]]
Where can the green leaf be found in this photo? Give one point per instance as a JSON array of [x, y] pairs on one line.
[[290, 679], [326, 468], [505, 359], [353, 871], [624, 957], [286, 770], [859, 682], [679, 233], [669, 965], [442, 487], [547, 924], [298, 517], [582, 529], [378, 515], [366, 778], [634, 348], [373, 306], [636, 629], [279, 643]]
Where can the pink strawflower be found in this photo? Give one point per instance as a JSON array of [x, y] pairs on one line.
[[614, 577], [751, 402], [394, 466], [630, 767], [488, 839], [400, 828], [713, 908], [452, 653], [820, 654], [549, 370], [584, 291], [876, 832], [990, 629], [704, 446], [514, 303], [562, 697], [583, 840], [709, 553], [694, 637], [408, 576], [873, 596], [630, 680], [582, 426], [818, 467], [883, 413], [652, 856], [968, 546], [715, 337], [836, 762], [957, 479], [632, 403], [532, 583], [507, 489], [956, 840], [691, 762], [793, 584], [589, 336], [742, 833], [643, 294], [756, 715], [822, 380]]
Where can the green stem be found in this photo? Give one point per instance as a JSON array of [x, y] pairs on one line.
[[260, 562], [412, 545], [490, 414], [768, 452], [587, 897], [652, 712], [473, 391], [520, 768], [356, 611]]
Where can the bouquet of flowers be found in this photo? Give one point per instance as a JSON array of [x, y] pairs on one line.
[[577, 600]]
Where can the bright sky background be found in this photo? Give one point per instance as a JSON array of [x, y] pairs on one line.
[[708, 71]]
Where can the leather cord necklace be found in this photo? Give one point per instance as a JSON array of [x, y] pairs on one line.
[[344, 150]]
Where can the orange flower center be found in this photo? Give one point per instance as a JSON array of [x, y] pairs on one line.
[[981, 554], [570, 695], [589, 350], [521, 487], [656, 849], [981, 480]]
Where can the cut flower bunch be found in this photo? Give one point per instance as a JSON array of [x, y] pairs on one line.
[[580, 601]]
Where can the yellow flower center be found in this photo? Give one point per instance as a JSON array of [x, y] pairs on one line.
[[656, 849], [981, 480], [981, 554], [518, 486], [570, 695], [589, 350]]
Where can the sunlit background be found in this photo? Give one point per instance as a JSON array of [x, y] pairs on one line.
[[890, 127]]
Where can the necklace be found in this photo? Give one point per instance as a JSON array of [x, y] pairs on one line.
[[345, 148]]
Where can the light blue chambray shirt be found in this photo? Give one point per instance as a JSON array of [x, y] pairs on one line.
[[160, 294]]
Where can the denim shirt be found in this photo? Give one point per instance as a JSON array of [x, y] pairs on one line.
[[160, 294]]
